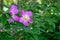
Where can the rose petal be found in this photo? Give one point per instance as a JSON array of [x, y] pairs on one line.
[[21, 20], [16, 18], [30, 20], [29, 13], [25, 23], [13, 9], [22, 13], [13, 6]]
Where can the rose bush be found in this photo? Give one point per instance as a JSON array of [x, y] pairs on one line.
[[30, 20]]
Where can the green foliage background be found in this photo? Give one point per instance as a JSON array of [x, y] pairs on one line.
[[46, 25]]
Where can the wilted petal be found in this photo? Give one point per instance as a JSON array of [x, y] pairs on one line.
[[2, 30], [30, 20], [5, 9], [25, 23], [29, 13], [10, 20]]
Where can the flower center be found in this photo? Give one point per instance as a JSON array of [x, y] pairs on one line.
[[12, 15], [25, 18]]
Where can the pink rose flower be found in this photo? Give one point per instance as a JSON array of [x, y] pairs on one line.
[[25, 17], [13, 10]]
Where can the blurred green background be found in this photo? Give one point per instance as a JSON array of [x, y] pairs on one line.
[[46, 16]]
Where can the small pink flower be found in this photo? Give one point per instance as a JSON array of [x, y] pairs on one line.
[[13, 10], [25, 17]]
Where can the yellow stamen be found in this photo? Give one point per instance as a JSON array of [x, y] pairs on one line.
[[25, 18], [12, 15]]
